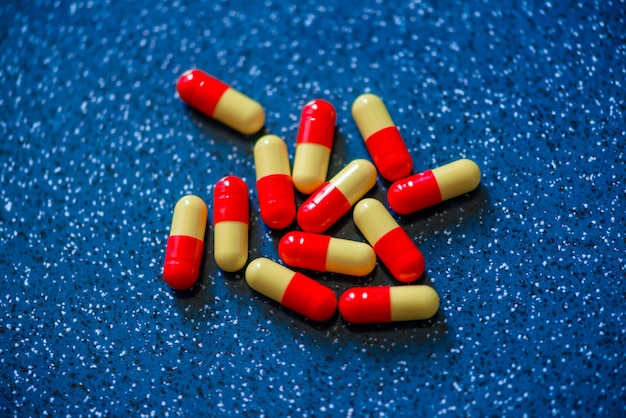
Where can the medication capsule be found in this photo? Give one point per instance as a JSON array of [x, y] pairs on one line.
[[325, 253], [185, 244], [220, 101], [291, 289], [313, 145], [377, 304], [331, 201], [382, 138], [391, 243], [231, 219], [431, 187], [273, 182]]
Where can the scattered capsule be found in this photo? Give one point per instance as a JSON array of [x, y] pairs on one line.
[[382, 137], [313, 146], [331, 201], [230, 219], [377, 304], [273, 182], [391, 243], [431, 187], [185, 244], [291, 289], [326, 254], [220, 101]]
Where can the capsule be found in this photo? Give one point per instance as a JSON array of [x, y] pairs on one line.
[[378, 304], [326, 254], [220, 101], [382, 138], [431, 187], [273, 182], [331, 201], [313, 145], [391, 243], [230, 222], [291, 289], [185, 244]]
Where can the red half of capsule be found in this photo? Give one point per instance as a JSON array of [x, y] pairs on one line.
[[414, 193], [400, 255], [277, 200], [317, 124], [361, 305], [304, 250], [200, 90], [230, 201], [309, 298], [390, 153], [183, 257], [322, 209]]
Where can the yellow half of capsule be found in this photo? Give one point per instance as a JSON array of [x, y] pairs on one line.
[[240, 112], [268, 278], [373, 219], [271, 156], [370, 114], [410, 303], [355, 179], [310, 166], [456, 178], [350, 257], [230, 245], [190, 217]]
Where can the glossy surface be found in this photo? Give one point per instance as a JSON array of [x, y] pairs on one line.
[[291, 289], [97, 148], [273, 182], [326, 254], [431, 187], [185, 244], [314, 145], [220, 101], [230, 222], [382, 138], [336, 196], [390, 241], [379, 304]]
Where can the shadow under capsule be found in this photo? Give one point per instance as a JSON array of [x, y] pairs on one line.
[[452, 212]]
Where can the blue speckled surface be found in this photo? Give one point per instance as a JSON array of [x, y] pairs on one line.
[[96, 148]]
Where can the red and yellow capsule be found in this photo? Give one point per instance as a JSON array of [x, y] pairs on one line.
[[331, 201], [378, 304], [326, 254], [220, 101], [291, 289], [314, 145], [382, 137], [391, 243], [431, 187], [231, 218], [185, 244], [273, 182]]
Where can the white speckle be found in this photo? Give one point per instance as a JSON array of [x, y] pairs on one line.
[[8, 206]]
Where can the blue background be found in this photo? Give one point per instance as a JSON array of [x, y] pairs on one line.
[[97, 148]]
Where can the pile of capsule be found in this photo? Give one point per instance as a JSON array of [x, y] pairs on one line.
[[328, 201]]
